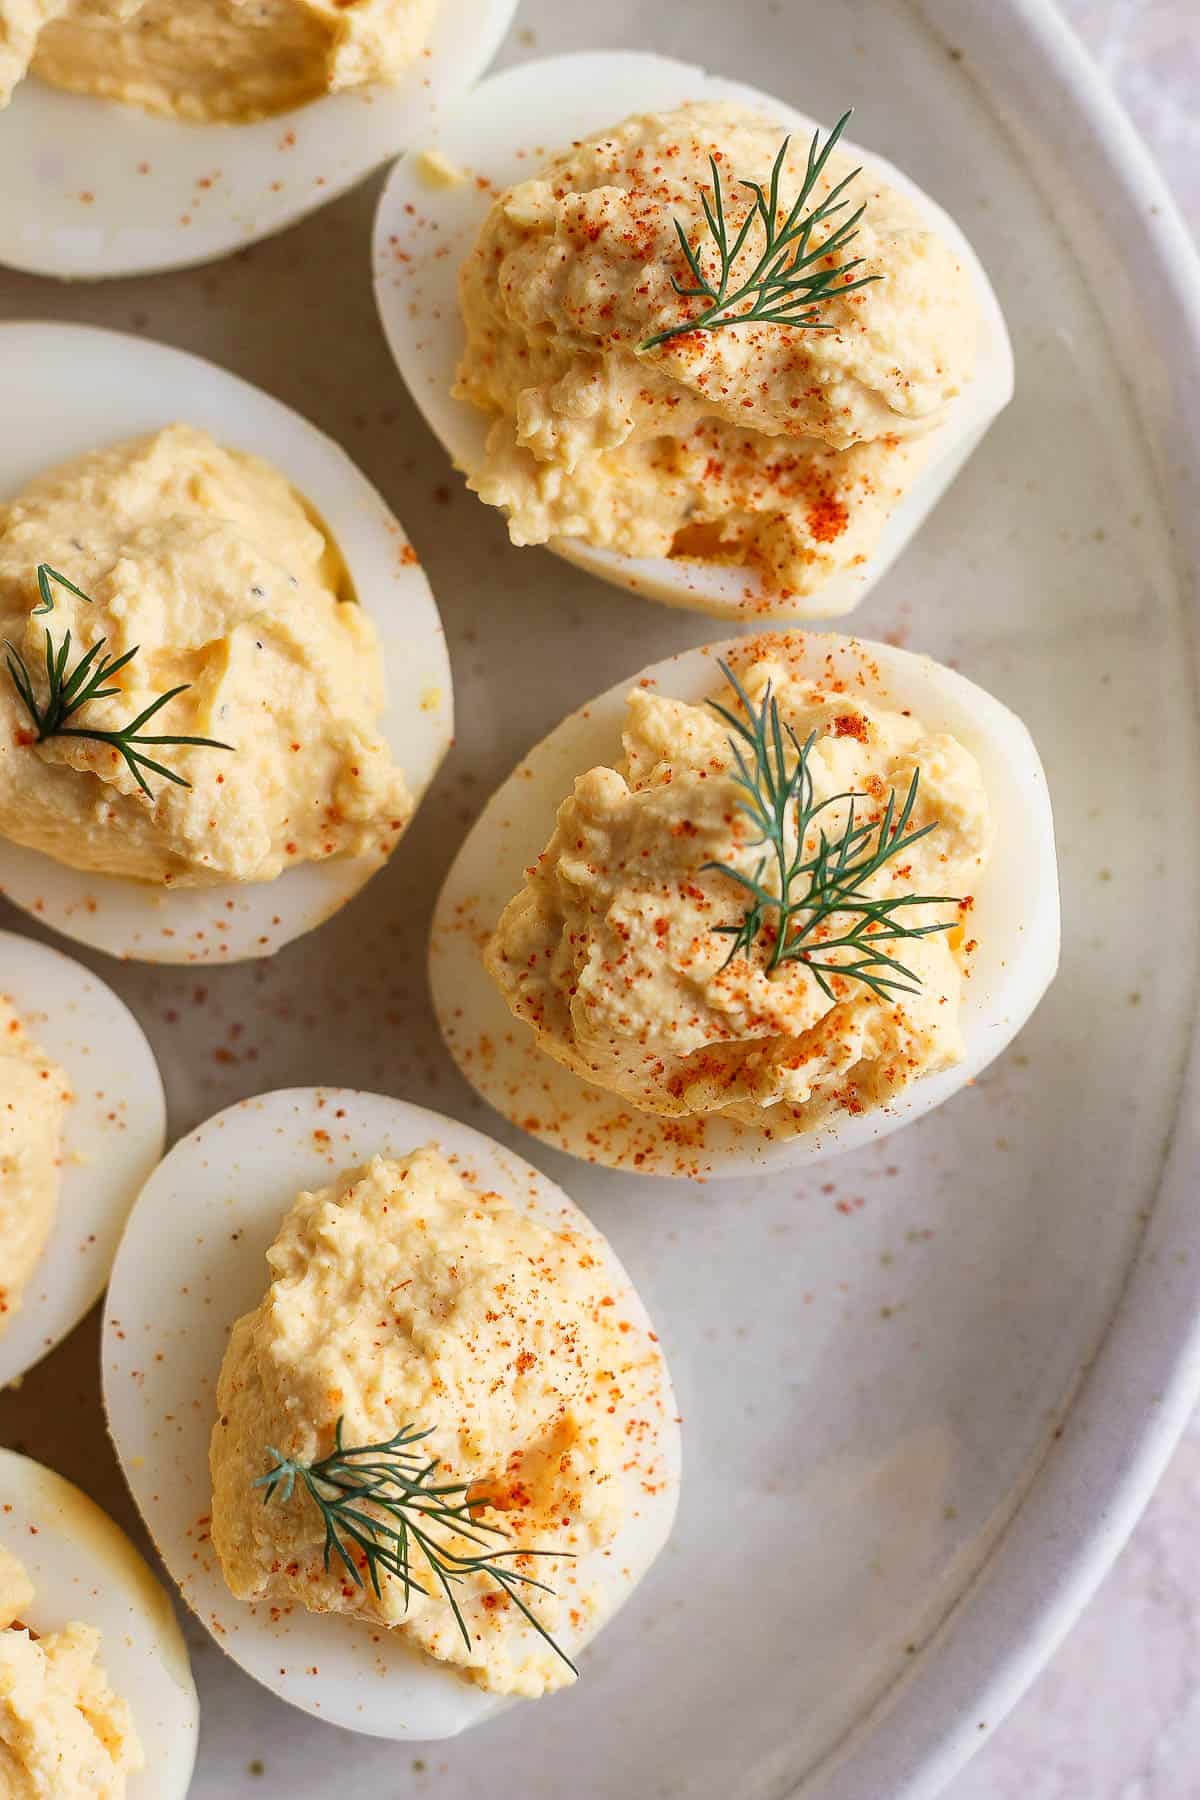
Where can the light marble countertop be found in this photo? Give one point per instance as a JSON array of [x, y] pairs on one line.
[[1116, 1714]]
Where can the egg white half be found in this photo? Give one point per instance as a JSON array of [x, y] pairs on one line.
[[68, 389], [96, 188], [1015, 918], [503, 133], [113, 1135], [191, 1263], [84, 1567]]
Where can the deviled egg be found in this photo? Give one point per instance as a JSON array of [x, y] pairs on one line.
[[138, 135], [96, 1693], [427, 1447], [82, 1122], [685, 337], [225, 683], [766, 901]]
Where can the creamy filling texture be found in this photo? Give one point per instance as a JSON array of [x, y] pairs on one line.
[[211, 566], [233, 60], [34, 1096], [64, 1734], [758, 443], [403, 1295], [610, 952]]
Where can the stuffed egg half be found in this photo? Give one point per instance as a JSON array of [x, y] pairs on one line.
[[598, 969], [155, 136], [182, 495], [199, 1366], [82, 1123], [589, 438], [95, 1684]]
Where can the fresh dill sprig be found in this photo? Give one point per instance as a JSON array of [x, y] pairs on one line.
[[794, 276], [397, 1482], [822, 904], [69, 689]]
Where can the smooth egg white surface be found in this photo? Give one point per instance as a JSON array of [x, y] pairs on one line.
[[68, 389], [96, 188], [84, 1567], [192, 1262], [1015, 918], [503, 133], [113, 1135]]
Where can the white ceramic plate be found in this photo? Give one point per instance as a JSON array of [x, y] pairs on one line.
[[113, 1135], [177, 1290], [505, 130], [94, 188], [1015, 919], [120, 387], [83, 1567], [873, 1359]]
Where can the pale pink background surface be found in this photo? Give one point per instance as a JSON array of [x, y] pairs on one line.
[[1116, 1714]]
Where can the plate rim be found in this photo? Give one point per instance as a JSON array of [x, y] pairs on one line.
[[1134, 1398]]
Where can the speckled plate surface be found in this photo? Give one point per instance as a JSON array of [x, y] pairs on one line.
[[927, 1387]]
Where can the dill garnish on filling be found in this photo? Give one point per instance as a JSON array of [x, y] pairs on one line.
[[797, 271], [69, 689], [407, 1509], [819, 903]]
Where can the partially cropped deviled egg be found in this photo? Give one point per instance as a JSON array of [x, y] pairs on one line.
[[683, 335], [766, 901], [224, 685], [138, 135], [393, 1412], [96, 1694], [82, 1122]]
